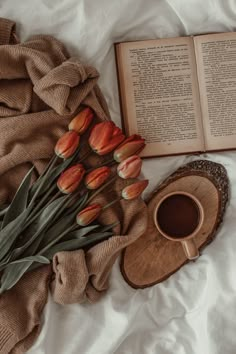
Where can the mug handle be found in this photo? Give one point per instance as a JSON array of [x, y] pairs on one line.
[[190, 249]]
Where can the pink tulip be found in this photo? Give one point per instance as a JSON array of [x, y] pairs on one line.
[[130, 168], [134, 190], [131, 146]]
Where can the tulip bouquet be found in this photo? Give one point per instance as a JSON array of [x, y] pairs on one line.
[[58, 212]]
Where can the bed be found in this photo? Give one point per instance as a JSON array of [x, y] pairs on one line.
[[193, 312]]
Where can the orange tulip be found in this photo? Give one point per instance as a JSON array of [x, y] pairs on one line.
[[67, 144], [97, 177], [131, 146], [89, 214], [105, 137], [70, 179], [134, 190], [130, 168], [81, 122]]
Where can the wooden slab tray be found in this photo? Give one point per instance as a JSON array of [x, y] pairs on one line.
[[152, 258]]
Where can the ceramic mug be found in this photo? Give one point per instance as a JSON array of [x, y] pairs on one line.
[[178, 214]]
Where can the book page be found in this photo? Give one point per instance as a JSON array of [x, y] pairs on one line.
[[216, 65], [160, 98]]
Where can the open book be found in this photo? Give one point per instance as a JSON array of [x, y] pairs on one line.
[[179, 93]]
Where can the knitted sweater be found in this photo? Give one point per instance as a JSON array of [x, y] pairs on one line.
[[41, 89]]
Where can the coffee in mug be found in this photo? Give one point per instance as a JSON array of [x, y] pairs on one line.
[[179, 216]]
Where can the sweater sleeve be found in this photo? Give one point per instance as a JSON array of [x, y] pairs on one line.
[[6, 339], [21, 308]]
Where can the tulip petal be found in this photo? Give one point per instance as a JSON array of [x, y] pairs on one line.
[[70, 179], [111, 145], [100, 135], [132, 137], [89, 214], [81, 122], [67, 144], [131, 146], [97, 177], [117, 131], [134, 190], [130, 168], [105, 137]]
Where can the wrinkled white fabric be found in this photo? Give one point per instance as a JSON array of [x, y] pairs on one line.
[[194, 311]]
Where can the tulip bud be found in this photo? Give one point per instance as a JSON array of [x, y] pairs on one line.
[[81, 122], [97, 177], [130, 168], [105, 137], [70, 179], [131, 146], [67, 144], [89, 214], [134, 190]]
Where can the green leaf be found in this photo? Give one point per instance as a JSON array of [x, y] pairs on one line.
[[62, 210], [97, 236], [19, 202], [79, 204], [31, 249], [64, 222], [58, 228], [110, 226], [12, 274], [50, 211], [9, 234], [66, 163], [4, 207], [5, 262], [44, 220], [3, 211], [83, 231], [75, 244], [83, 202], [61, 236], [14, 271], [36, 258]]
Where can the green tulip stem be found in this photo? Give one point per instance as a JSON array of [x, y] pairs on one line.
[[58, 238], [55, 195], [47, 167], [36, 211], [112, 162], [105, 163], [112, 203], [43, 181], [109, 162], [86, 155], [68, 200], [3, 211], [99, 190]]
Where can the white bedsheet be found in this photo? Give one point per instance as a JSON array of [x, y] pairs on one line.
[[194, 311]]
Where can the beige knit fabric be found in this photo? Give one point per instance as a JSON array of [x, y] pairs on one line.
[[41, 88]]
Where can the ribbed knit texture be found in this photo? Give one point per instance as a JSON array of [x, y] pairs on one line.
[[6, 339], [41, 89]]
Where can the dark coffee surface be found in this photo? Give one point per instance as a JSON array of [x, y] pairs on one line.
[[178, 216]]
